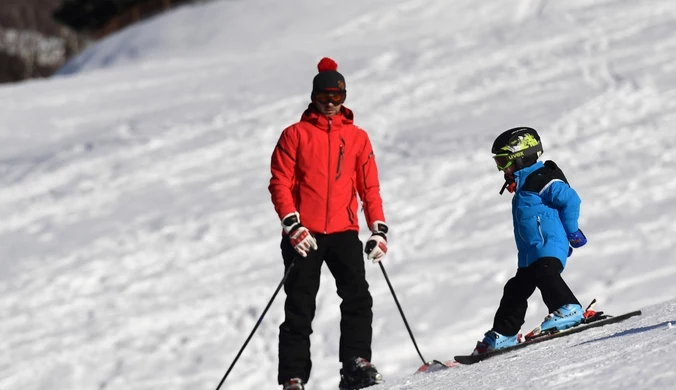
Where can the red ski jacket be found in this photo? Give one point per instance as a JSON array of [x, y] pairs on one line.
[[319, 166]]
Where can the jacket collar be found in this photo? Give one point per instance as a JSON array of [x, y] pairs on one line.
[[315, 118], [521, 175]]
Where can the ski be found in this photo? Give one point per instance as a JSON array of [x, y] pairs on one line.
[[436, 365], [592, 322]]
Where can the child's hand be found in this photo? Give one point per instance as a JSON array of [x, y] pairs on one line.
[[576, 239]]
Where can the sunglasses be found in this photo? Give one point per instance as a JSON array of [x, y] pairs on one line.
[[503, 161], [330, 97]]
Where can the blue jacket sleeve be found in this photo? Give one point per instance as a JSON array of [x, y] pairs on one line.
[[563, 198]]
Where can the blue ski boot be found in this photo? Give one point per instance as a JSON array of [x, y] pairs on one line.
[[494, 340], [563, 318]]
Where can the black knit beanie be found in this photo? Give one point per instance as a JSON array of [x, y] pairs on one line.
[[328, 79]]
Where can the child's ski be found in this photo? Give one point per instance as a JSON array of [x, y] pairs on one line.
[[536, 338]]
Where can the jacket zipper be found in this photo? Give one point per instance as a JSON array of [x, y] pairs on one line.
[[339, 169], [328, 187], [542, 236]]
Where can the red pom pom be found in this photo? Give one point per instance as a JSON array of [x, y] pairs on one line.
[[327, 64]]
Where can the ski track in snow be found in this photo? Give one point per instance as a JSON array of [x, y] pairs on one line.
[[139, 245]]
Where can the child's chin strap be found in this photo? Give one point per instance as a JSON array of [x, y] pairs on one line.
[[510, 184]]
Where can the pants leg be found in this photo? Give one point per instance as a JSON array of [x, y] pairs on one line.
[[345, 260], [544, 274], [555, 291], [511, 313], [301, 289]]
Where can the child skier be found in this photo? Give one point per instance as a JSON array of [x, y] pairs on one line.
[[545, 211]]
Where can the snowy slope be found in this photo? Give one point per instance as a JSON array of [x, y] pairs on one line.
[[632, 355], [139, 245]]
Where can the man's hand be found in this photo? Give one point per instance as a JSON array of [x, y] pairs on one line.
[[301, 239], [376, 245]]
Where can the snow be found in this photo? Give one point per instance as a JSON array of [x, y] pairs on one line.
[[139, 245]]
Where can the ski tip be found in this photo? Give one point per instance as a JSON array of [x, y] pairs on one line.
[[468, 359], [436, 365]]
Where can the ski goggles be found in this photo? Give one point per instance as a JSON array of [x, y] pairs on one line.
[[503, 161], [336, 98]]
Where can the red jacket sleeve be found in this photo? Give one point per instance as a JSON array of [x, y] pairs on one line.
[[368, 184], [283, 166]]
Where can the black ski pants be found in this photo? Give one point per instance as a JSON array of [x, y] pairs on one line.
[[544, 274], [343, 254]]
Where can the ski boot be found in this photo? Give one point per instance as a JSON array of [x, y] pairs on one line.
[[358, 373], [494, 340], [293, 384], [565, 317]]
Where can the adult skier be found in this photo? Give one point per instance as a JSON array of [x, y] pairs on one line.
[[319, 166]]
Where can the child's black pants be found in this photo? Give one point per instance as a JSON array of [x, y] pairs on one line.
[[544, 274]]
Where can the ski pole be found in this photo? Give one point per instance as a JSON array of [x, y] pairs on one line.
[[260, 319], [382, 267]]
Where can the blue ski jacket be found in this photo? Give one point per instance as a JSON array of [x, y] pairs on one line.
[[542, 219]]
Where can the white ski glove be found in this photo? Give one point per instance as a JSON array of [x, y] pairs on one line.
[[376, 245], [301, 238]]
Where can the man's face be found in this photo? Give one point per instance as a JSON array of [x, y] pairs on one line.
[[329, 103], [328, 109]]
